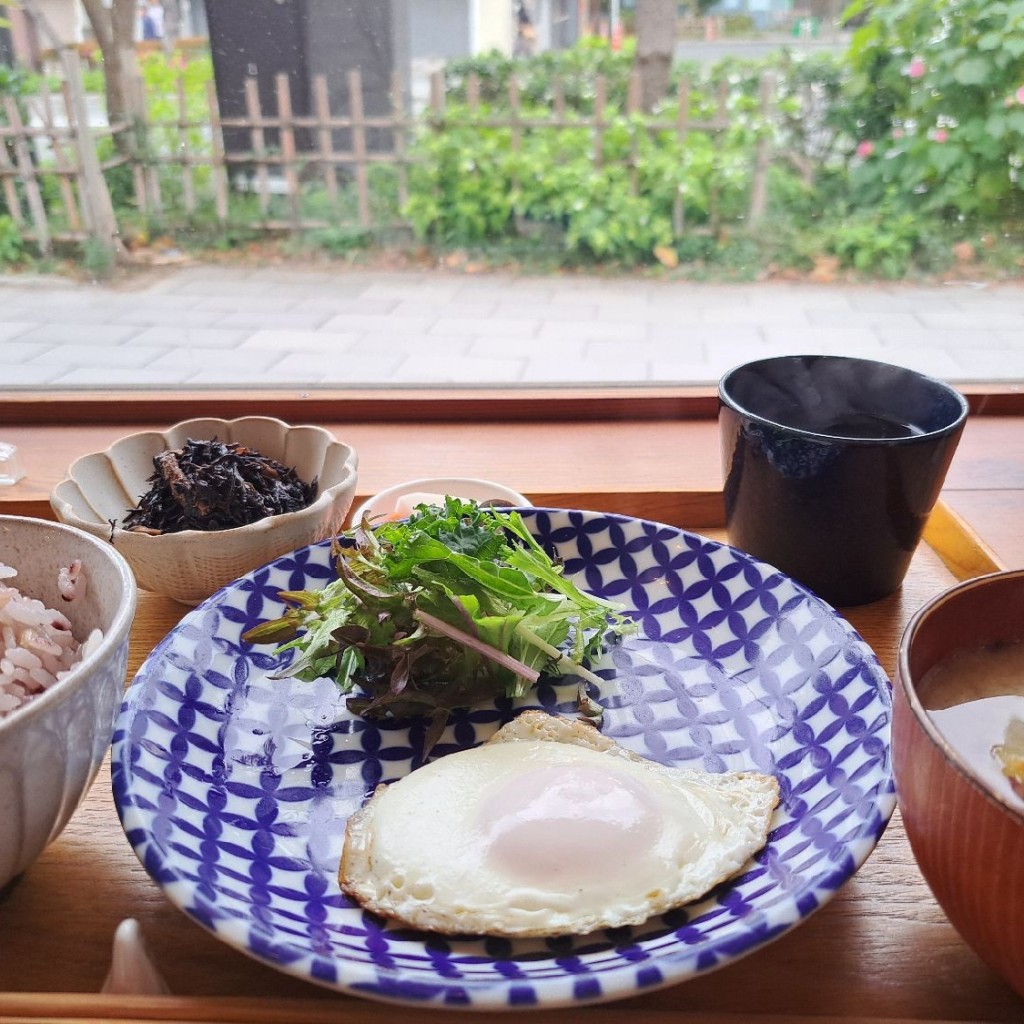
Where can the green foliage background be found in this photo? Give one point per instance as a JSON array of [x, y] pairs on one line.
[[940, 85], [883, 157]]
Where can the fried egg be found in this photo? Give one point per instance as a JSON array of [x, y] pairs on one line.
[[550, 828]]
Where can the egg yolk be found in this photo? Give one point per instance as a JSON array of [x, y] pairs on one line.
[[573, 823]]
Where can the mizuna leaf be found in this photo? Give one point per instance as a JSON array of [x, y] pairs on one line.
[[455, 605]]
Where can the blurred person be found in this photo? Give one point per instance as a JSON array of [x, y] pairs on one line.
[[526, 34], [153, 20]]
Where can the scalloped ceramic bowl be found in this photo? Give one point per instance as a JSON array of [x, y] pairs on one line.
[[51, 747], [191, 565]]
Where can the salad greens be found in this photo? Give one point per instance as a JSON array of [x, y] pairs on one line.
[[455, 605]]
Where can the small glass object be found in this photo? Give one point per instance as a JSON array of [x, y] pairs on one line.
[[11, 469]]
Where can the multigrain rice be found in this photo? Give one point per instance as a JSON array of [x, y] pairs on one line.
[[36, 645]]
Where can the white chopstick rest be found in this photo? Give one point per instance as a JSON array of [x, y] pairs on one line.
[[132, 972]]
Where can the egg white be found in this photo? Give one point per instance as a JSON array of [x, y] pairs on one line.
[[550, 828]]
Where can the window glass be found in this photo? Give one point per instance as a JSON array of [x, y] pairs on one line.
[[327, 193]]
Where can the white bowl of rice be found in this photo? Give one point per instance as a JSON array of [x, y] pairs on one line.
[[67, 601]]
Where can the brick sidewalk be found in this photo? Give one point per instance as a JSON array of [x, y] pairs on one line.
[[225, 326]]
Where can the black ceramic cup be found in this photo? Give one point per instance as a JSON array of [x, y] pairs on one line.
[[831, 466]]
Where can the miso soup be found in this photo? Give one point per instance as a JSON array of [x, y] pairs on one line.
[[972, 697]]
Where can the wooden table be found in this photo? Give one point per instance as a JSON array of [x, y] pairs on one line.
[[881, 950]]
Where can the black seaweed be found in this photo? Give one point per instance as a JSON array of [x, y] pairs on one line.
[[216, 485]]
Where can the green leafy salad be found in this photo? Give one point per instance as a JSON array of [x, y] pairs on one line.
[[453, 606]]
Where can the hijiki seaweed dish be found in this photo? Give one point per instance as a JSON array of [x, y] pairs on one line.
[[216, 485]]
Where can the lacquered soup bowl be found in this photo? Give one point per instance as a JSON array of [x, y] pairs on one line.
[[967, 838]]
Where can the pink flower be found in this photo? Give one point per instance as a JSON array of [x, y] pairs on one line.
[[941, 135], [865, 149], [916, 68], [1020, 94], [898, 133]]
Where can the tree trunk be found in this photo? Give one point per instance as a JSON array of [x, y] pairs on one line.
[[114, 28], [655, 43]]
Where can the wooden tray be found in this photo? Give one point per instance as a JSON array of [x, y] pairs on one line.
[[882, 949]]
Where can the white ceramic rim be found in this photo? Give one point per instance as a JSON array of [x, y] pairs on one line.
[[429, 485]]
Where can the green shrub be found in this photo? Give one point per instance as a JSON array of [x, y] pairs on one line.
[[120, 179], [15, 83], [472, 184], [94, 80], [942, 80], [577, 68], [12, 248], [460, 188], [341, 241], [876, 243], [875, 155], [343, 209], [98, 259], [160, 76]]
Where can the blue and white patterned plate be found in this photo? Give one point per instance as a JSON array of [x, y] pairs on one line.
[[234, 788]]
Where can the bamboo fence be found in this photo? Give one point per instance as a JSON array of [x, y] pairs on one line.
[[336, 155], [84, 209]]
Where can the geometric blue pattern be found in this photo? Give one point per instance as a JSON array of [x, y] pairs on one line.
[[234, 787]]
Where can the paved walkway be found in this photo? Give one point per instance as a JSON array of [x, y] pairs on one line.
[[212, 326]]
